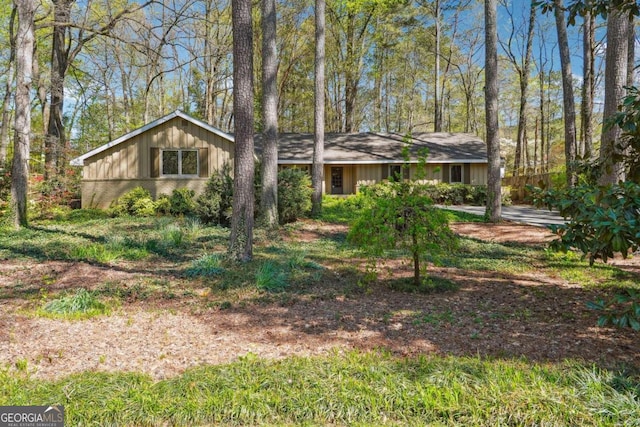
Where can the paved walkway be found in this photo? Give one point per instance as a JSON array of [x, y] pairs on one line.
[[518, 213]]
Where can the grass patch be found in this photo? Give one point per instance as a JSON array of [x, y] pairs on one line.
[[83, 304], [355, 388], [271, 277], [206, 266], [459, 216]]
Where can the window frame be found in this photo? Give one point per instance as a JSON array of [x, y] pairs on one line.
[[180, 151], [461, 166]]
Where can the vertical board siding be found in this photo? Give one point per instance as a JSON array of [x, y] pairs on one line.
[[131, 159]]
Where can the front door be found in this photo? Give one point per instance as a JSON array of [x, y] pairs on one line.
[[336, 180]]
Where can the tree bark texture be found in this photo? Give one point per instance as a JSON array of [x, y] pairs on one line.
[[567, 94], [588, 85], [317, 173], [521, 144], [8, 92], [241, 240], [269, 199], [55, 138], [494, 189], [437, 102], [615, 77], [25, 40]]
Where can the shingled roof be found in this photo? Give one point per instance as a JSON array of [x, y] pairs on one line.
[[373, 148]]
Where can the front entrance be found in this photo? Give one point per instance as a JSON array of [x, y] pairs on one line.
[[337, 180]]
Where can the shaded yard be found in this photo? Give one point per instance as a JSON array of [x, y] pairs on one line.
[[513, 300]]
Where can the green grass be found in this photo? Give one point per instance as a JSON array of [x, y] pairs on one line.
[[349, 389], [207, 265], [82, 304]]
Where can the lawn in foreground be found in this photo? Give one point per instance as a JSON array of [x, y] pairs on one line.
[[350, 388]]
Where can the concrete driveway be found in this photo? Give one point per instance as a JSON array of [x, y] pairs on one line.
[[519, 213]]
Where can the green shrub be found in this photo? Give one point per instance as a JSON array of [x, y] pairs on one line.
[[163, 205], [182, 201], [135, 202], [5, 180], [294, 194], [213, 206], [602, 221]]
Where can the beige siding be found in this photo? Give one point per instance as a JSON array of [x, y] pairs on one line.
[[113, 172], [478, 174], [367, 175], [131, 160], [432, 173]]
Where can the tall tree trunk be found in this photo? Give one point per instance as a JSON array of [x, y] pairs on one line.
[[241, 239], [631, 52], [24, 68], [615, 77], [8, 92], [567, 94], [269, 199], [588, 86], [55, 137], [351, 75], [317, 177], [524, 86], [494, 188], [437, 102]]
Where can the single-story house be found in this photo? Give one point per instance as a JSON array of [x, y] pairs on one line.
[[354, 160], [178, 150]]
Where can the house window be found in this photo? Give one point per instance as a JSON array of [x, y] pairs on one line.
[[179, 162], [395, 172], [456, 174]]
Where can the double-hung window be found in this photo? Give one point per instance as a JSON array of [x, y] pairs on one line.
[[180, 162]]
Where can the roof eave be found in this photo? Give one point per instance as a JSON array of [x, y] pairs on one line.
[[79, 161]]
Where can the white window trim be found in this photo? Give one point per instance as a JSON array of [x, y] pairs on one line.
[[180, 151], [461, 173]]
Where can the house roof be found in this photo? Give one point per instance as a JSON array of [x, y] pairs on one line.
[[355, 148], [79, 161], [374, 148]]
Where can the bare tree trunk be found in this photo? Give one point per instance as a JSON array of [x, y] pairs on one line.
[[55, 138], [269, 199], [24, 68], [588, 86], [494, 189], [317, 177], [241, 239], [437, 107], [615, 77], [6, 113], [567, 94], [631, 51], [524, 86]]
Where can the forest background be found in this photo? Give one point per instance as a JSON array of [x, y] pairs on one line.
[[391, 66]]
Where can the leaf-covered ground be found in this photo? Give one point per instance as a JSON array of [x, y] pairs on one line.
[[513, 300]]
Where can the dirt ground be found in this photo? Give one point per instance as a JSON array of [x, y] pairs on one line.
[[530, 315]]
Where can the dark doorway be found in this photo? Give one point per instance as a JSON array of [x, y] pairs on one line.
[[336, 180]]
